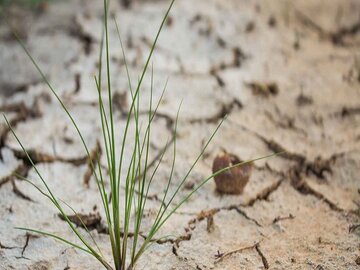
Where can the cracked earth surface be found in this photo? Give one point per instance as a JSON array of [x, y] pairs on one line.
[[287, 74]]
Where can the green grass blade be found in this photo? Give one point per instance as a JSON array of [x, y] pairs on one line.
[[189, 171], [146, 66], [158, 216], [60, 101], [53, 92], [84, 226], [54, 200], [54, 236], [100, 259], [47, 196], [141, 182]]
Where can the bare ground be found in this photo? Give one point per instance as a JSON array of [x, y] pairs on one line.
[[287, 74]]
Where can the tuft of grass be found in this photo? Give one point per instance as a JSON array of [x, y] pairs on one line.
[[126, 250]]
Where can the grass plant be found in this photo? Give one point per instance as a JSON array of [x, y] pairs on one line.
[[119, 210]]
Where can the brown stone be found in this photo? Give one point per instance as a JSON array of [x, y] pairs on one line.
[[233, 180]]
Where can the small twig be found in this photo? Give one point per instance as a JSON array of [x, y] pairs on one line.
[[221, 256]]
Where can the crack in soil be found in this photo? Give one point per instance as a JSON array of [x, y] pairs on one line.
[[278, 218], [28, 237], [225, 110], [262, 256], [319, 167], [238, 58], [39, 157], [264, 194], [76, 31], [243, 213], [218, 78], [5, 247], [348, 111], [168, 119], [23, 113], [336, 37], [10, 90], [304, 188], [19, 193], [285, 123], [21, 170], [353, 227], [206, 214], [24, 248]]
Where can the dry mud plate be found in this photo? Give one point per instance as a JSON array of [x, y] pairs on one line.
[[287, 74]]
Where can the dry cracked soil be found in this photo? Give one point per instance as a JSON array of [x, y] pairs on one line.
[[287, 74]]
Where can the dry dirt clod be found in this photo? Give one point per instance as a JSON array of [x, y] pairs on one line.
[[169, 21], [189, 185], [125, 3], [90, 221], [303, 100], [272, 21], [250, 26], [231, 181], [210, 225], [239, 56], [266, 89]]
